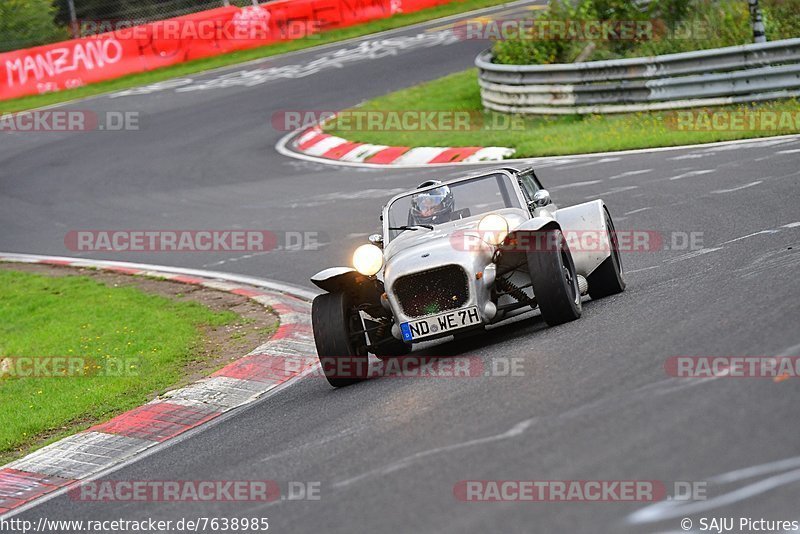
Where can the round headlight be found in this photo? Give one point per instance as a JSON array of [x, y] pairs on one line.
[[493, 229], [368, 259]]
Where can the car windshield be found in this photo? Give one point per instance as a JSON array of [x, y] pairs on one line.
[[452, 202]]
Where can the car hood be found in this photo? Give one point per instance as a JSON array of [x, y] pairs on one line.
[[424, 240], [445, 239]]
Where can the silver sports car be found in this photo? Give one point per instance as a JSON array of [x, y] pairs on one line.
[[456, 256]]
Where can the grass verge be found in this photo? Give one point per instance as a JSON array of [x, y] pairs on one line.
[[130, 344], [193, 67], [562, 135]]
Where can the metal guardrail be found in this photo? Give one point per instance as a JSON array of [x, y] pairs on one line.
[[731, 75]]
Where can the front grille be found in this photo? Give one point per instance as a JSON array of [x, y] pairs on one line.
[[429, 292]]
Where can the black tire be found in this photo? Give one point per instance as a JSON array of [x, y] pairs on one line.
[[343, 355], [607, 279], [555, 282]]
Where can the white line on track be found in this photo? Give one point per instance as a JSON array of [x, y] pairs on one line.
[[591, 163], [692, 173], [690, 156], [762, 232], [576, 184], [663, 510], [643, 269], [613, 191], [514, 431], [637, 211], [694, 254], [745, 186], [630, 173]]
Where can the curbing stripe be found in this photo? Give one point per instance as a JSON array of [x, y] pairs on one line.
[[419, 155], [219, 393], [307, 136], [19, 487], [321, 147], [286, 355], [156, 422], [490, 153], [80, 455], [313, 142], [313, 138], [362, 153], [285, 147], [339, 151], [388, 155], [455, 154]]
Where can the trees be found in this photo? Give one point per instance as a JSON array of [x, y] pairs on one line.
[[25, 23]]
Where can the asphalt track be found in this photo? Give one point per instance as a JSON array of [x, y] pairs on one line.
[[594, 401]]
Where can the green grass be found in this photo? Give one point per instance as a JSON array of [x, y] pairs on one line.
[[142, 342], [541, 136], [193, 67]]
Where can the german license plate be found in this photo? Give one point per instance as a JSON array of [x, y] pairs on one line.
[[436, 324]]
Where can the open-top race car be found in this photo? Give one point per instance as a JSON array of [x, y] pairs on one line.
[[459, 255]]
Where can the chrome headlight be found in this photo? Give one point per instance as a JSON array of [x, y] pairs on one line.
[[368, 260], [493, 229]]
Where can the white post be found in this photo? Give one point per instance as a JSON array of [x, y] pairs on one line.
[[759, 32], [73, 18]]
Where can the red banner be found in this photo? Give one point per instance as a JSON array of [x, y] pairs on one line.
[[131, 49]]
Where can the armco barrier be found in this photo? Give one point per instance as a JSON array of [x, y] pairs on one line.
[[720, 76], [78, 62]]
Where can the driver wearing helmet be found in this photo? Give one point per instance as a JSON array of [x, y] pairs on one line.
[[434, 206]]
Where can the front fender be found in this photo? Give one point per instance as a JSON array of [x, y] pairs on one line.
[[533, 225], [362, 289], [335, 279], [584, 228], [522, 239], [586, 232]]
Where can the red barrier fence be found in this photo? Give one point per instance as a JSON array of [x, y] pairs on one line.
[[128, 50]]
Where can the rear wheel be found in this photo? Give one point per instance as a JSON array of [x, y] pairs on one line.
[[555, 282], [341, 343], [607, 279]]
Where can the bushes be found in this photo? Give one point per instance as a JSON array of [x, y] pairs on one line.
[[667, 26], [709, 24], [528, 48], [25, 23], [782, 19]]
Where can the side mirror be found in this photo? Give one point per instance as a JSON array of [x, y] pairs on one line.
[[541, 198], [377, 240]]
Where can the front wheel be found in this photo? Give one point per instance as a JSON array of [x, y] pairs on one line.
[[607, 278], [340, 340], [555, 282]]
